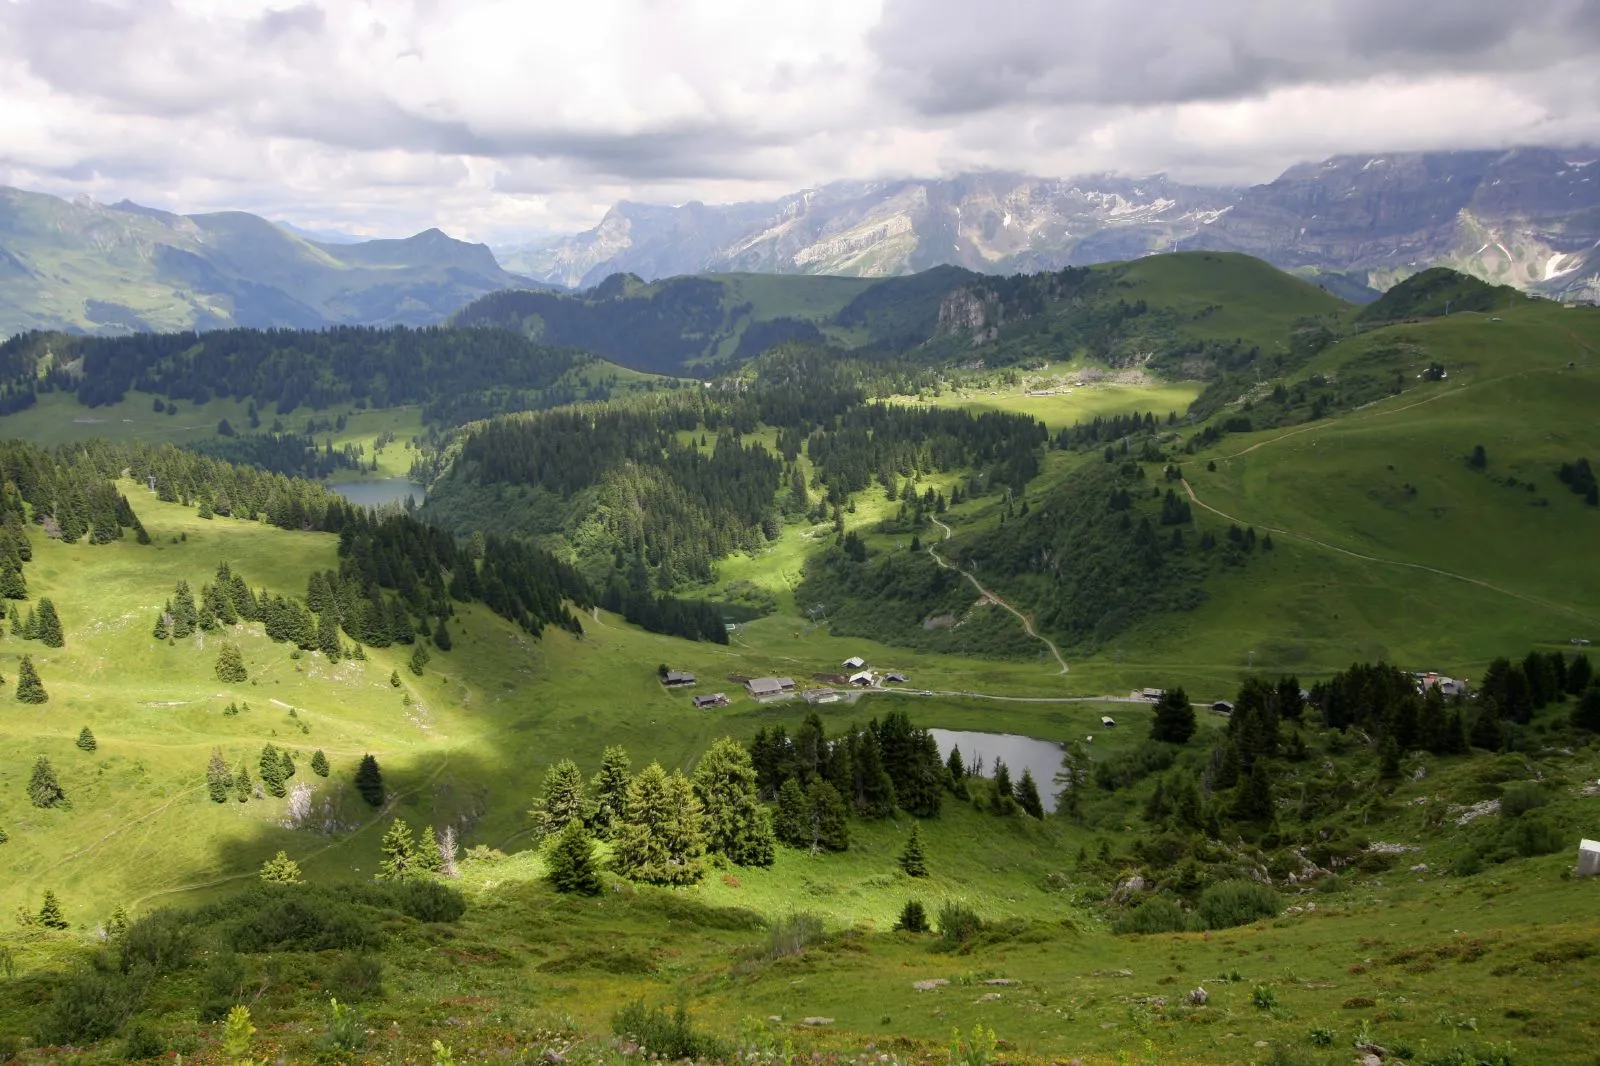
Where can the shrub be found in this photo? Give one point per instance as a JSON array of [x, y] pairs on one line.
[[1264, 997], [1532, 836], [1522, 797], [958, 924], [161, 942], [142, 1042], [1230, 903], [668, 1034], [89, 1005], [791, 936], [356, 976], [428, 901], [1154, 915], [913, 917], [1321, 1037], [305, 921]]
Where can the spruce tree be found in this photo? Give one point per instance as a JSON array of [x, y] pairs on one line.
[[569, 857], [429, 858], [1586, 715], [912, 860], [913, 917], [394, 679], [86, 739], [1027, 795], [43, 788], [50, 633], [218, 780], [1174, 721], [791, 825], [241, 782], [954, 766], [419, 659], [661, 839], [230, 664], [399, 853], [12, 584], [369, 781], [825, 823], [319, 763], [441, 635], [563, 800], [271, 767], [737, 825], [15, 620], [281, 870], [1253, 803], [30, 626], [1002, 802], [610, 787], [287, 762], [29, 688], [50, 915]]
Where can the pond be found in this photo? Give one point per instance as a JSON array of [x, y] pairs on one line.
[[379, 492], [1043, 757]]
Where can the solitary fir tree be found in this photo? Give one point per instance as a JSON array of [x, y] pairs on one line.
[[241, 782], [271, 767], [1027, 795], [428, 857], [230, 664], [419, 659], [399, 853], [954, 765], [1002, 802], [912, 859], [610, 788], [825, 822], [913, 917], [441, 636], [790, 825], [369, 781], [86, 739], [319, 763], [287, 762], [1174, 721], [49, 625], [218, 780], [50, 915], [29, 688], [394, 679], [43, 788], [737, 825], [570, 858], [563, 800], [281, 870]]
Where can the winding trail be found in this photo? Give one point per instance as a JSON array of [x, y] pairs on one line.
[[1027, 623], [1536, 601]]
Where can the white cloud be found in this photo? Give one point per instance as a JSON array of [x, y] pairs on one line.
[[492, 118]]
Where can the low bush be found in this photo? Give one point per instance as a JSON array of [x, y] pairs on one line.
[[958, 924], [89, 1005], [304, 921], [1522, 797], [1230, 903], [428, 901], [142, 1042], [161, 942], [668, 1034], [791, 936], [1155, 915], [356, 977]]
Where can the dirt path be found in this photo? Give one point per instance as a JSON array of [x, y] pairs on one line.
[[1027, 623], [1545, 604]]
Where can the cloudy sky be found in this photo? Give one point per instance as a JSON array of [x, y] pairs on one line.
[[497, 119]]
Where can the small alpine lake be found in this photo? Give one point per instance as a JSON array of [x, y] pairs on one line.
[[1043, 757], [381, 491]]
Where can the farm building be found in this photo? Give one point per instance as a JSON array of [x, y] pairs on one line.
[[715, 699], [677, 678], [1107, 721], [822, 695], [1151, 694], [1222, 707], [855, 662], [895, 679], [862, 678], [769, 686]]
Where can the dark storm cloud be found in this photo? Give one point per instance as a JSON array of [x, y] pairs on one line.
[[945, 57]]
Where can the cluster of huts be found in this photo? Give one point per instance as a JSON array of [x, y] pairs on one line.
[[768, 688]]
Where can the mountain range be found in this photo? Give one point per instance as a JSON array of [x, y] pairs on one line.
[[87, 267], [1528, 217]]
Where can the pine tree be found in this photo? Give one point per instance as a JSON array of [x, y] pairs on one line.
[[86, 739], [1027, 795], [737, 825], [825, 822], [117, 924], [281, 870], [16, 621], [50, 915], [563, 800], [218, 780], [610, 787], [30, 626], [913, 917], [791, 825], [1253, 803], [419, 659], [569, 857], [399, 853], [369, 781], [319, 763], [49, 625], [43, 788], [287, 762], [230, 664], [271, 767], [912, 860], [394, 679], [1174, 721], [441, 635], [661, 839], [12, 584], [954, 766], [1002, 802], [1586, 715], [241, 782], [29, 688], [428, 857]]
